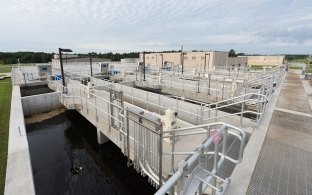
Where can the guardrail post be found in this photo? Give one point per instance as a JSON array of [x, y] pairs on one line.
[[160, 156]]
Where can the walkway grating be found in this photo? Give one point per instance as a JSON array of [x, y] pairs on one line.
[[282, 169], [284, 165]]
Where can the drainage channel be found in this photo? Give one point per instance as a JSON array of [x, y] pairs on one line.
[[66, 159]]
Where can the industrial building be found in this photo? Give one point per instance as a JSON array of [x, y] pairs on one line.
[[265, 60], [240, 62], [199, 61], [206, 60]]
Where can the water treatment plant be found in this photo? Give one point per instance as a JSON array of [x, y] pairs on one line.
[[165, 123]]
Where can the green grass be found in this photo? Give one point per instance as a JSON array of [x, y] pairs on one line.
[[5, 107], [295, 68], [256, 66], [5, 68], [305, 61]]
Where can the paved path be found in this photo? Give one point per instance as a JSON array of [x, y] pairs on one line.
[[284, 165]]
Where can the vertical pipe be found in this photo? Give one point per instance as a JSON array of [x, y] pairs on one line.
[[91, 64], [215, 166], [182, 61], [143, 66], [62, 70], [223, 89], [172, 151], [160, 157]]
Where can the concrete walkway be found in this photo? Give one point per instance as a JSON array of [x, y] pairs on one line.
[[284, 165]]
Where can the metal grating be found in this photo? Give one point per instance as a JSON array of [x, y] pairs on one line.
[[282, 169]]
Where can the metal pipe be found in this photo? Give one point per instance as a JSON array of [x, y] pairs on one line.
[[91, 64]]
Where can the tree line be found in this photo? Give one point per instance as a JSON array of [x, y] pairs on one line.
[[41, 57], [24, 57]]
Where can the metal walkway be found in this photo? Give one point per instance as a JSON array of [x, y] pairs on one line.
[[284, 165]]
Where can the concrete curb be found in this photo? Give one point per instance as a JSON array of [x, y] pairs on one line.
[[19, 177]]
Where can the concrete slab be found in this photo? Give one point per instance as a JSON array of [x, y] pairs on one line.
[[294, 97]]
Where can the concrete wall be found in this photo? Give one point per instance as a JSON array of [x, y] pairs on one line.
[[266, 60], [19, 178], [129, 60], [41, 103], [235, 62]]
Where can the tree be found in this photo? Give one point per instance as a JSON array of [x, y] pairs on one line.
[[232, 53]]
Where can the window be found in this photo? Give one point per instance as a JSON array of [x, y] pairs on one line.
[[147, 57], [203, 57], [153, 58], [185, 57], [194, 58]]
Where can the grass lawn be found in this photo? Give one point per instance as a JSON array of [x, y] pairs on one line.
[[5, 68], [294, 68], [256, 67], [305, 61], [5, 107]]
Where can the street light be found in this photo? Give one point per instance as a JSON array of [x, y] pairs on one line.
[[144, 65], [182, 58], [91, 64], [61, 62]]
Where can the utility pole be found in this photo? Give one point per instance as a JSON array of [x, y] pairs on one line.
[[182, 58], [91, 64], [143, 65]]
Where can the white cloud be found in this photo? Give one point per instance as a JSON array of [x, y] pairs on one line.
[[127, 25]]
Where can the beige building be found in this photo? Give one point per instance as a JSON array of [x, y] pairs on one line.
[[199, 61], [265, 60], [239, 62]]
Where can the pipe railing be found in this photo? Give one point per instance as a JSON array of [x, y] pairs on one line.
[[186, 169]]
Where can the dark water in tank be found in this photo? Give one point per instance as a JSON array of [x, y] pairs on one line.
[[66, 159]]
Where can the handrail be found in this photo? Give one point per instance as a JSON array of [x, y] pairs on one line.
[[184, 164]]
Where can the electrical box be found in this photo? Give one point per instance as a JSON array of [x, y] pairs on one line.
[[104, 68], [140, 66], [44, 70]]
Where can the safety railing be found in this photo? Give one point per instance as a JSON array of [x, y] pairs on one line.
[[144, 143], [197, 162], [99, 108], [199, 113]]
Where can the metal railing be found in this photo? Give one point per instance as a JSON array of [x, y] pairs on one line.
[[144, 143], [188, 169]]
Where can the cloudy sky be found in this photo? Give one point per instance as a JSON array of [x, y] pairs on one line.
[[249, 26]]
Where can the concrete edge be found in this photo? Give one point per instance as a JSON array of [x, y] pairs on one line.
[[38, 95], [307, 89], [19, 176], [242, 173]]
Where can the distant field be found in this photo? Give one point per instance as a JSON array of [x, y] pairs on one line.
[[305, 61], [256, 66], [5, 68], [294, 68], [5, 107]]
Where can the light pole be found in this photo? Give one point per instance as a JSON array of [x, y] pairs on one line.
[[182, 58], [143, 65], [91, 63], [61, 62]]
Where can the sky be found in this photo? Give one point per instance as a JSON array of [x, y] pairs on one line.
[[248, 26]]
